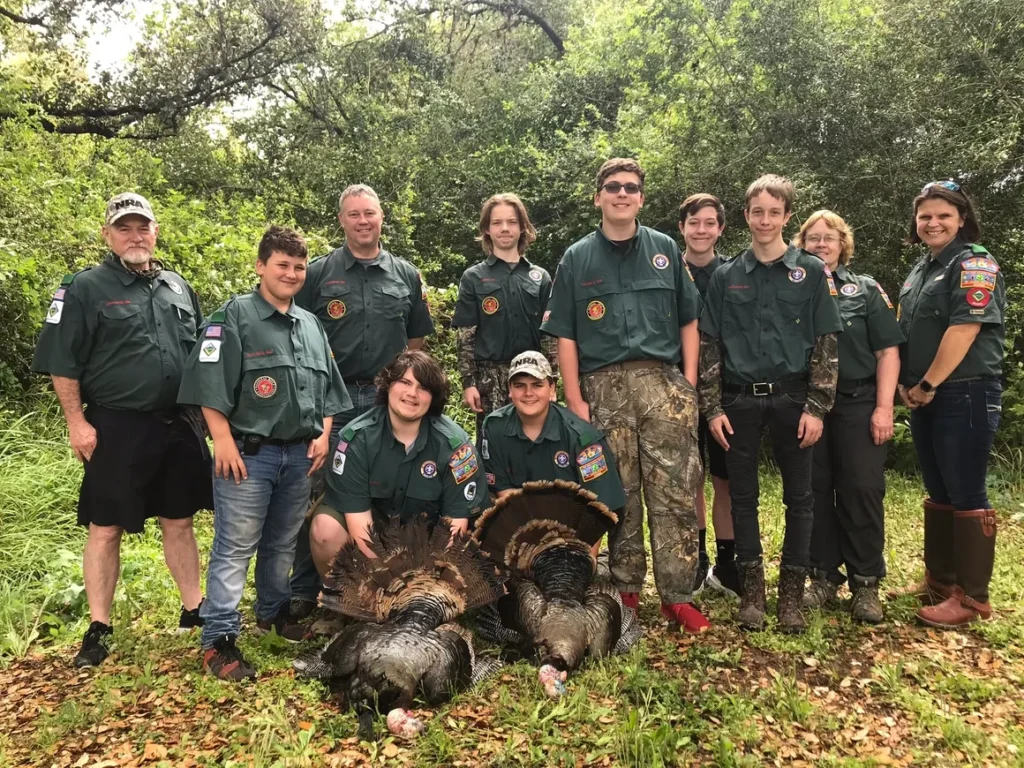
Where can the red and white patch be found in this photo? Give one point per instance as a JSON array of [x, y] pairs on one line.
[[979, 297], [547, 316], [336, 309], [264, 387], [595, 310], [491, 479], [489, 305]]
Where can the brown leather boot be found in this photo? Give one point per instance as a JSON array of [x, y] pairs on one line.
[[975, 532], [753, 600], [791, 598], [939, 562]]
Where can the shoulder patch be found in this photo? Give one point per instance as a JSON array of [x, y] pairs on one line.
[[347, 434], [451, 431], [68, 278], [218, 316], [885, 296], [979, 263], [975, 248]]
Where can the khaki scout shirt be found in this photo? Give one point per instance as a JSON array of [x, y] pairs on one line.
[[768, 317], [370, 310], [270, 373], [505, 304], [869, 324], [568, 448], [122, 336], [440, 476], [622, 302], [702, 275], [963, 284]]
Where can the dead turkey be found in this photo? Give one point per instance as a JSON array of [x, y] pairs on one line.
[[554, 608], [405, 644]]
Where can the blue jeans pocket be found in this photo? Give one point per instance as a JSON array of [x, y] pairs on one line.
[[994, 409]]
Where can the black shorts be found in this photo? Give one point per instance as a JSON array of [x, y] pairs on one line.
[[145, 465], [709, 447]]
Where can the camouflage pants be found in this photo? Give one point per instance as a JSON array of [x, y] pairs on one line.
[[492, 383], [649, 417]]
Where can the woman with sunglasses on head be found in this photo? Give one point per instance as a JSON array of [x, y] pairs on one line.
[[848, 477], [951, 310]]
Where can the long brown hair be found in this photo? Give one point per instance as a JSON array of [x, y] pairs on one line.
[[428, 373], [970, 231], [527, 234]]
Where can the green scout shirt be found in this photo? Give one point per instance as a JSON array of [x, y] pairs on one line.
[[702, 275], [122, 336], [504, 303], [370, 310], [270, 373], [963, 284], [869, 324], [568, 448], [371, 470], [622, 302], [768, 317]]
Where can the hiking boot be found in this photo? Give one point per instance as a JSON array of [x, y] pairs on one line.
[[975, 533], [95, 645], [189, 620], [866, 606], [300, 609], [287, 626], [954, 612], [686, 616], [753, 602], [724, 578], [631, 600], [225, 662], [820, 591], [701, 575], [791, 594]]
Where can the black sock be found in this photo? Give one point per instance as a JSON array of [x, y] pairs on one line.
[[702, 543], [725, 551]]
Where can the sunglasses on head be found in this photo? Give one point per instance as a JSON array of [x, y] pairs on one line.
[[952, 186], [614, 187]]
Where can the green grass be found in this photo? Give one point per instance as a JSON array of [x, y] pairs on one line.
[[840, 695]]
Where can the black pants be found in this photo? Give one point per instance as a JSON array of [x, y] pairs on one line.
[[781, 414], [849, 490]]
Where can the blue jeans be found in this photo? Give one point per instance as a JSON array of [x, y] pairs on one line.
[[953, 438], [262, 516], [305, 583]]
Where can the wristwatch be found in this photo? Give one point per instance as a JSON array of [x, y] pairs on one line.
[[925, 386]]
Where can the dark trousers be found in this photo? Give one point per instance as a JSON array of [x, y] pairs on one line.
[[953, 439], [781, 414], [849, 490]]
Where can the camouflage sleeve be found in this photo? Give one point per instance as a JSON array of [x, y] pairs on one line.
[[709, 377], [466, 352], [549, 346], [824, 375]]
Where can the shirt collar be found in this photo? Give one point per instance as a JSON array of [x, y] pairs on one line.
[[266, 310], [492, 260], [125, 275], [632, 240], [843, 273], [946, 256], [550, 430], [421, 438], [383, 259], [789, 258]]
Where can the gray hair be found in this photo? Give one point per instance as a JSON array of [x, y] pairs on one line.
[[357, 190]]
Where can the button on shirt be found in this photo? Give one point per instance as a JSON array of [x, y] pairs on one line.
[[269, 372], [567, 448], [122, 336], [768, 316], [869, 324], [440, 476], [622, 302], [504, 303], [963, 284], [370, 310]]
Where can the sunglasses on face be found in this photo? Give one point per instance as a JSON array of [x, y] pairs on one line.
[[614, 187], [952, 186]]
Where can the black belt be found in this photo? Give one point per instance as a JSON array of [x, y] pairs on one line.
[[259, 440], [848, 385], [765, 388]]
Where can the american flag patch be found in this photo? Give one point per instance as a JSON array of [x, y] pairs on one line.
[[213, 332]]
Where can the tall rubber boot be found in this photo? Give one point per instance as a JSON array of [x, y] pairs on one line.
[[939, 561], [975, 532]]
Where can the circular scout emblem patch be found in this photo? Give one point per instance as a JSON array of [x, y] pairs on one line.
[[428, 469], [797, 275], [336, 309], [175, 287], [848, 290], [264, 387], [660, 261], [595, 310], [979, 297], [536, 275], [490, 305], [470, 492], [562, 459]]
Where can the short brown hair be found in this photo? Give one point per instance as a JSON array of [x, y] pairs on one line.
[[427, 371], [778, 187], [282, 240], [970, 231], [834, 221], [694, 203], [527, 234], [619, 165]]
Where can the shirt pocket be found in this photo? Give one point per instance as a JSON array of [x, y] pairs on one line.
[[335, 303], [394, 302], [185, 325], [657, 300], [124, 325], [424, 495], [738, 310], [265, 381], [794, 306], [599, 313]]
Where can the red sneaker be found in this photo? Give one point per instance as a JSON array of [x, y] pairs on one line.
[[631, 600], [686, 616]]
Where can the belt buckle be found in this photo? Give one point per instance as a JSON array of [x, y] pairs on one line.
[[762, 388]]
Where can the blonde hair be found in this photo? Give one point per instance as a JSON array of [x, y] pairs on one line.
[[834, 221], [357, 190], [527, 234]]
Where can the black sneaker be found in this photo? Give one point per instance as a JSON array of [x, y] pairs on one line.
[[724, 578], [189, 620], [288, 628], [701, 575], [225, 662], [94, 645]]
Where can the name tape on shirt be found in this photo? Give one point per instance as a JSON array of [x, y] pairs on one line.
[[209, 351]]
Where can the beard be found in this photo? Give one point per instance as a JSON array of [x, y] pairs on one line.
[[136, 256]]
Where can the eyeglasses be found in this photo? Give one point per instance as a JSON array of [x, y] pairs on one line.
[[815, 239], [614, 187], [952, 186]]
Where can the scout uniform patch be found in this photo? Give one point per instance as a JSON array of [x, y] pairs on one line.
[[470, 492], [536, 275], [849, 289], [595, 310], [336, 309], [175, 287], [264, 387], [660, 261], [977, 262], [213, 331], [592, 463], [490, 478], [979, 297], [885, 296], [463, 464], [338, 465], [798, 275], [831, 284], [428, 469], [490, 305], [588, 453], [547, 315], [978, 279], [209, 352], [562, 459], [55, 311]]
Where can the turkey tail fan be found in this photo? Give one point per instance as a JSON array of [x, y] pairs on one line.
[[413, 561], [631, 630]]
